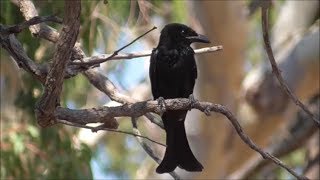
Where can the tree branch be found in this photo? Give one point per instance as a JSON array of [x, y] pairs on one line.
[[299, 130], [138, 109], [107, 114], [39, 30], [53, 85], [94, 60], [103, 83], [35, 20], [10, 43], [109, 57], [275, 69], [97, 79], [103, 127]]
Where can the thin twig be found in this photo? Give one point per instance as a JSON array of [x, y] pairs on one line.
[[147, 148], [245, 138], [98, 61], [35, 20], [275, 69], [299, 131], [93, 60], [95, 129]]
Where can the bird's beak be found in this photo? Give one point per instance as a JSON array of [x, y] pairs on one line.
[[199, 38]]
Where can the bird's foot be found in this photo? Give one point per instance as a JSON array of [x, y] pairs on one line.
[[162, 105], [207, 111], [193, 101]]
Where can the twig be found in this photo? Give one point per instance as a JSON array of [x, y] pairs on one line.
[[35, 20], [95, 129], [245, 138], [298, 131], [98, 61], [93, 60], [147, 148], [275, 69]]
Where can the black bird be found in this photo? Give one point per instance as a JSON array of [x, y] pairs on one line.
[[173, 72]]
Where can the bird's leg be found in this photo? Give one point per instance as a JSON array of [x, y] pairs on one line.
[[162, 105], [193, 101]]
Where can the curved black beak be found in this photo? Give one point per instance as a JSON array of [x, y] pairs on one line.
[[199, 38]]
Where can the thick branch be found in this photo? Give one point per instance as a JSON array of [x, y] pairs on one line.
[[53, 85], [97, 79], [275, 69], [138, 109], [10, 43]]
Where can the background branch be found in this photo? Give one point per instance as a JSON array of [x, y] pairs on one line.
[[299, 131], [275, 69]]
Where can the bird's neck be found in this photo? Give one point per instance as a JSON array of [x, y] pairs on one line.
[[169, 45]]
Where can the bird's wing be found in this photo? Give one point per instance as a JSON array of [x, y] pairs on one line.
[[153, 73], [189, 68]]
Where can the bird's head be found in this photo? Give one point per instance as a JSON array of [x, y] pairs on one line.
[[176, 33]]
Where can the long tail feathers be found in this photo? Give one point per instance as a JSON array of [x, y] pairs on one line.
[[178, 152]]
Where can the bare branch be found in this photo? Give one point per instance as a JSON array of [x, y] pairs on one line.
[[94, 60], [141, 108], [298, 131], [35, 20], [106, 114], [98, 61], [95, 129], [53, 85], [97, 79], [275, 69], [39, 30], [102, 83], [10, 43]]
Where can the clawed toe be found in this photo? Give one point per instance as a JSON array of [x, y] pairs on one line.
[[193, 101], [207, 111], [162, 105]]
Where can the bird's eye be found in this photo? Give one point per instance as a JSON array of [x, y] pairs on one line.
[[182, 32]]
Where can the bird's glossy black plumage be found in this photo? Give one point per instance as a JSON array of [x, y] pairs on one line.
[[173, 72]]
